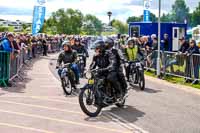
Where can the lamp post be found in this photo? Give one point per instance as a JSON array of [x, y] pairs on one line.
[[159, 27], [109, 15]]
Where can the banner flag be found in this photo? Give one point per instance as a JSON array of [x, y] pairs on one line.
[[38, 16]]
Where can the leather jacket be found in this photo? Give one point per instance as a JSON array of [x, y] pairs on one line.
[[100, 61], [66, 57], [115, 61]]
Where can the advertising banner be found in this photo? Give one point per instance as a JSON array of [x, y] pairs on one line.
[[38, 16]]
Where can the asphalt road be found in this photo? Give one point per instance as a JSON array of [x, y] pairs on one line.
[[38, 105], [161, 107]]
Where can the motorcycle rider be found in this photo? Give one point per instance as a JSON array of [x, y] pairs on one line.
[[80, 49], [114, 69], [131, 55], [68, 56], [100, 59]]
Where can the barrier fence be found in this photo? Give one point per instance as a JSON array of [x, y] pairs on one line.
[[176, 64], [12, 63], [4, 67]]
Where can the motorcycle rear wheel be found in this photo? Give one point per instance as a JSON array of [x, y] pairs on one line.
[[66, 85]]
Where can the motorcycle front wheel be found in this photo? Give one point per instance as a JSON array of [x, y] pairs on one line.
[[88, 104]]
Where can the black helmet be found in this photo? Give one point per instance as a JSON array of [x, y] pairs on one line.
[[109, 43], [99, 44]]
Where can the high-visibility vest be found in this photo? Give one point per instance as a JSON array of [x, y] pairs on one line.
[[132, 53]]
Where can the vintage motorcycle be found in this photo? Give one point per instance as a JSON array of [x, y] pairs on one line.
[[98, 93]]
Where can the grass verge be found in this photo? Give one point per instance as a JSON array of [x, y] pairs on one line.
[[175, 80]]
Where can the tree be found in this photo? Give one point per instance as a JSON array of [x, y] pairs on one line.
[[68, 22], [121, 27], [134, 19], [166, 17], [180, 12], [195, 16], [92, 25], [3, 29], [153, 18]]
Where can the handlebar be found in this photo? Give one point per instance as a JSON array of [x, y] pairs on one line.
[[64, 65]]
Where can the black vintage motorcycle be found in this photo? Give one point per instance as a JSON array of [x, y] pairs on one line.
[[97, 94]]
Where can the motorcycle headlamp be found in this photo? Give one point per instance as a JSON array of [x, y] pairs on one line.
[[88, 75]]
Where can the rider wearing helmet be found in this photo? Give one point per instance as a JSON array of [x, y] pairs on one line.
[[80, 49], [115, 70], [68, 56], [100, 59], [131, 54]]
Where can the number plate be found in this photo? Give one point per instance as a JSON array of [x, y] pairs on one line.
[[91, 81]]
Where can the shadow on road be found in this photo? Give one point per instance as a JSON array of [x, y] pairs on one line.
[[125, 115], [18, 84], [147, 90]]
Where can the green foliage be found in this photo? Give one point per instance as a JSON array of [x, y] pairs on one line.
[[66, 21], [3, 29], [91, 25], [175, 80], [195, 16], [134, 19], [10, 29], [166, 18], [180, 12], [108, 33], [121, 27], [153, 18]]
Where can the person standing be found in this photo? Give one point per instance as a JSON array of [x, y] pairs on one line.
[[34, 45], [44, 45], [192, 62], [165, 50]]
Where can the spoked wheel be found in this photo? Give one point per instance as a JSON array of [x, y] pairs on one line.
[[87, 103], [141, 81], [67, 86], [132, 78]]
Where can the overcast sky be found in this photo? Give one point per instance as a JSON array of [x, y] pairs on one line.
[[122, 9]]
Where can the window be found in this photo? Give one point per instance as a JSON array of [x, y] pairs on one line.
[[175, 33], [135, 31]]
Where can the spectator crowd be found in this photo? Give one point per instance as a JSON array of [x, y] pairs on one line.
[[186, 60]]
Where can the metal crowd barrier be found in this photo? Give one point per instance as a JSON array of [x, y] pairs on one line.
[[4, 67], [16, 64], [11, 64], [175, 64]]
